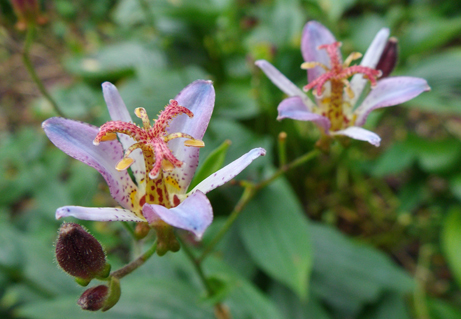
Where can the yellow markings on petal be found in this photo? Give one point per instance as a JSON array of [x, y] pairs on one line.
[[311, 65], [167, 166], [170, 181], [194, 143], [109, 137], [136, 208], [124, 164], [352, 57], [348, 89]]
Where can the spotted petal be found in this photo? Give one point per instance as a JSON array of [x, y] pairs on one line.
[[314, 35], [283, 82], [388, 92], [361, 134], [76, 139], [193, 214], [228, 172], [294, 108], [370, 59], [119, 112], [199, 97], [107, 214]]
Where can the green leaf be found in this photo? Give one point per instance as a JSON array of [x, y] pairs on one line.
[[391, 305], [440, 156], [142, 298], [451, 241], [428, 34], [294, 308], [440, 309], [275, 232], [394, 160], [211, 164], [347, 275], [455, 186]]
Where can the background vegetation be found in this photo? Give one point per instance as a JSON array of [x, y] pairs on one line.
[[362, 232]]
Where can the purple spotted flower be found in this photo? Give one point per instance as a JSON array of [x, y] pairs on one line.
[[163, 158], [335, 111]]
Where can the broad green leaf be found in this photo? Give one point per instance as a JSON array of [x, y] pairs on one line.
[[213, 162], [335, 8], [440, 309], [428, 34], [455, 186], [276, 233], [294, 308], [347, 275], [391, 305], [236, 101], [451, 241], [394, 160], [245, 300], [440, 156], [142, 298]]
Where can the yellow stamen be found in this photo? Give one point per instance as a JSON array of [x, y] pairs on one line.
[[167, 165], [195, 143], [142, 114], [311, 65], [352, 57], [124, 164], [109, 137]]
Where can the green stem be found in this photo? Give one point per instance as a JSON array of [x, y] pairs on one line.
[[220, 310], [282, 141], [30, 68], [419, 294], [248, 194], [135, 264]]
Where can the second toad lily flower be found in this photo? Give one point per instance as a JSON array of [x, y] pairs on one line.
[[162, 162], [334, 109]]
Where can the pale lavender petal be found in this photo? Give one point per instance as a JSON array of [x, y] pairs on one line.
[[283, 82], [104, 214], [361, 134], [294, 108], [199, 97], [193, 214], [370, 59], [76, 140], [388, 92], [314, 35], [228, 172], [119, 112]]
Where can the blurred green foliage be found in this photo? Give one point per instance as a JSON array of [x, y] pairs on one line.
[[340, 237]]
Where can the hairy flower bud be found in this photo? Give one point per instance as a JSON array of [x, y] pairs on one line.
[[388, 59], [28, 12], [80, 254], [93, 299]]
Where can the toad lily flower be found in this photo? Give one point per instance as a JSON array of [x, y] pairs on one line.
[[334, 110], [161, 161]]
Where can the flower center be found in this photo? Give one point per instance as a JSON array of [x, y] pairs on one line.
[[338, 76], [153, 142]]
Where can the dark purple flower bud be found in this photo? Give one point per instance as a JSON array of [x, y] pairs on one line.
[[93, 299], [28, 12], [389, 57], [101, 297], [80, 254]]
